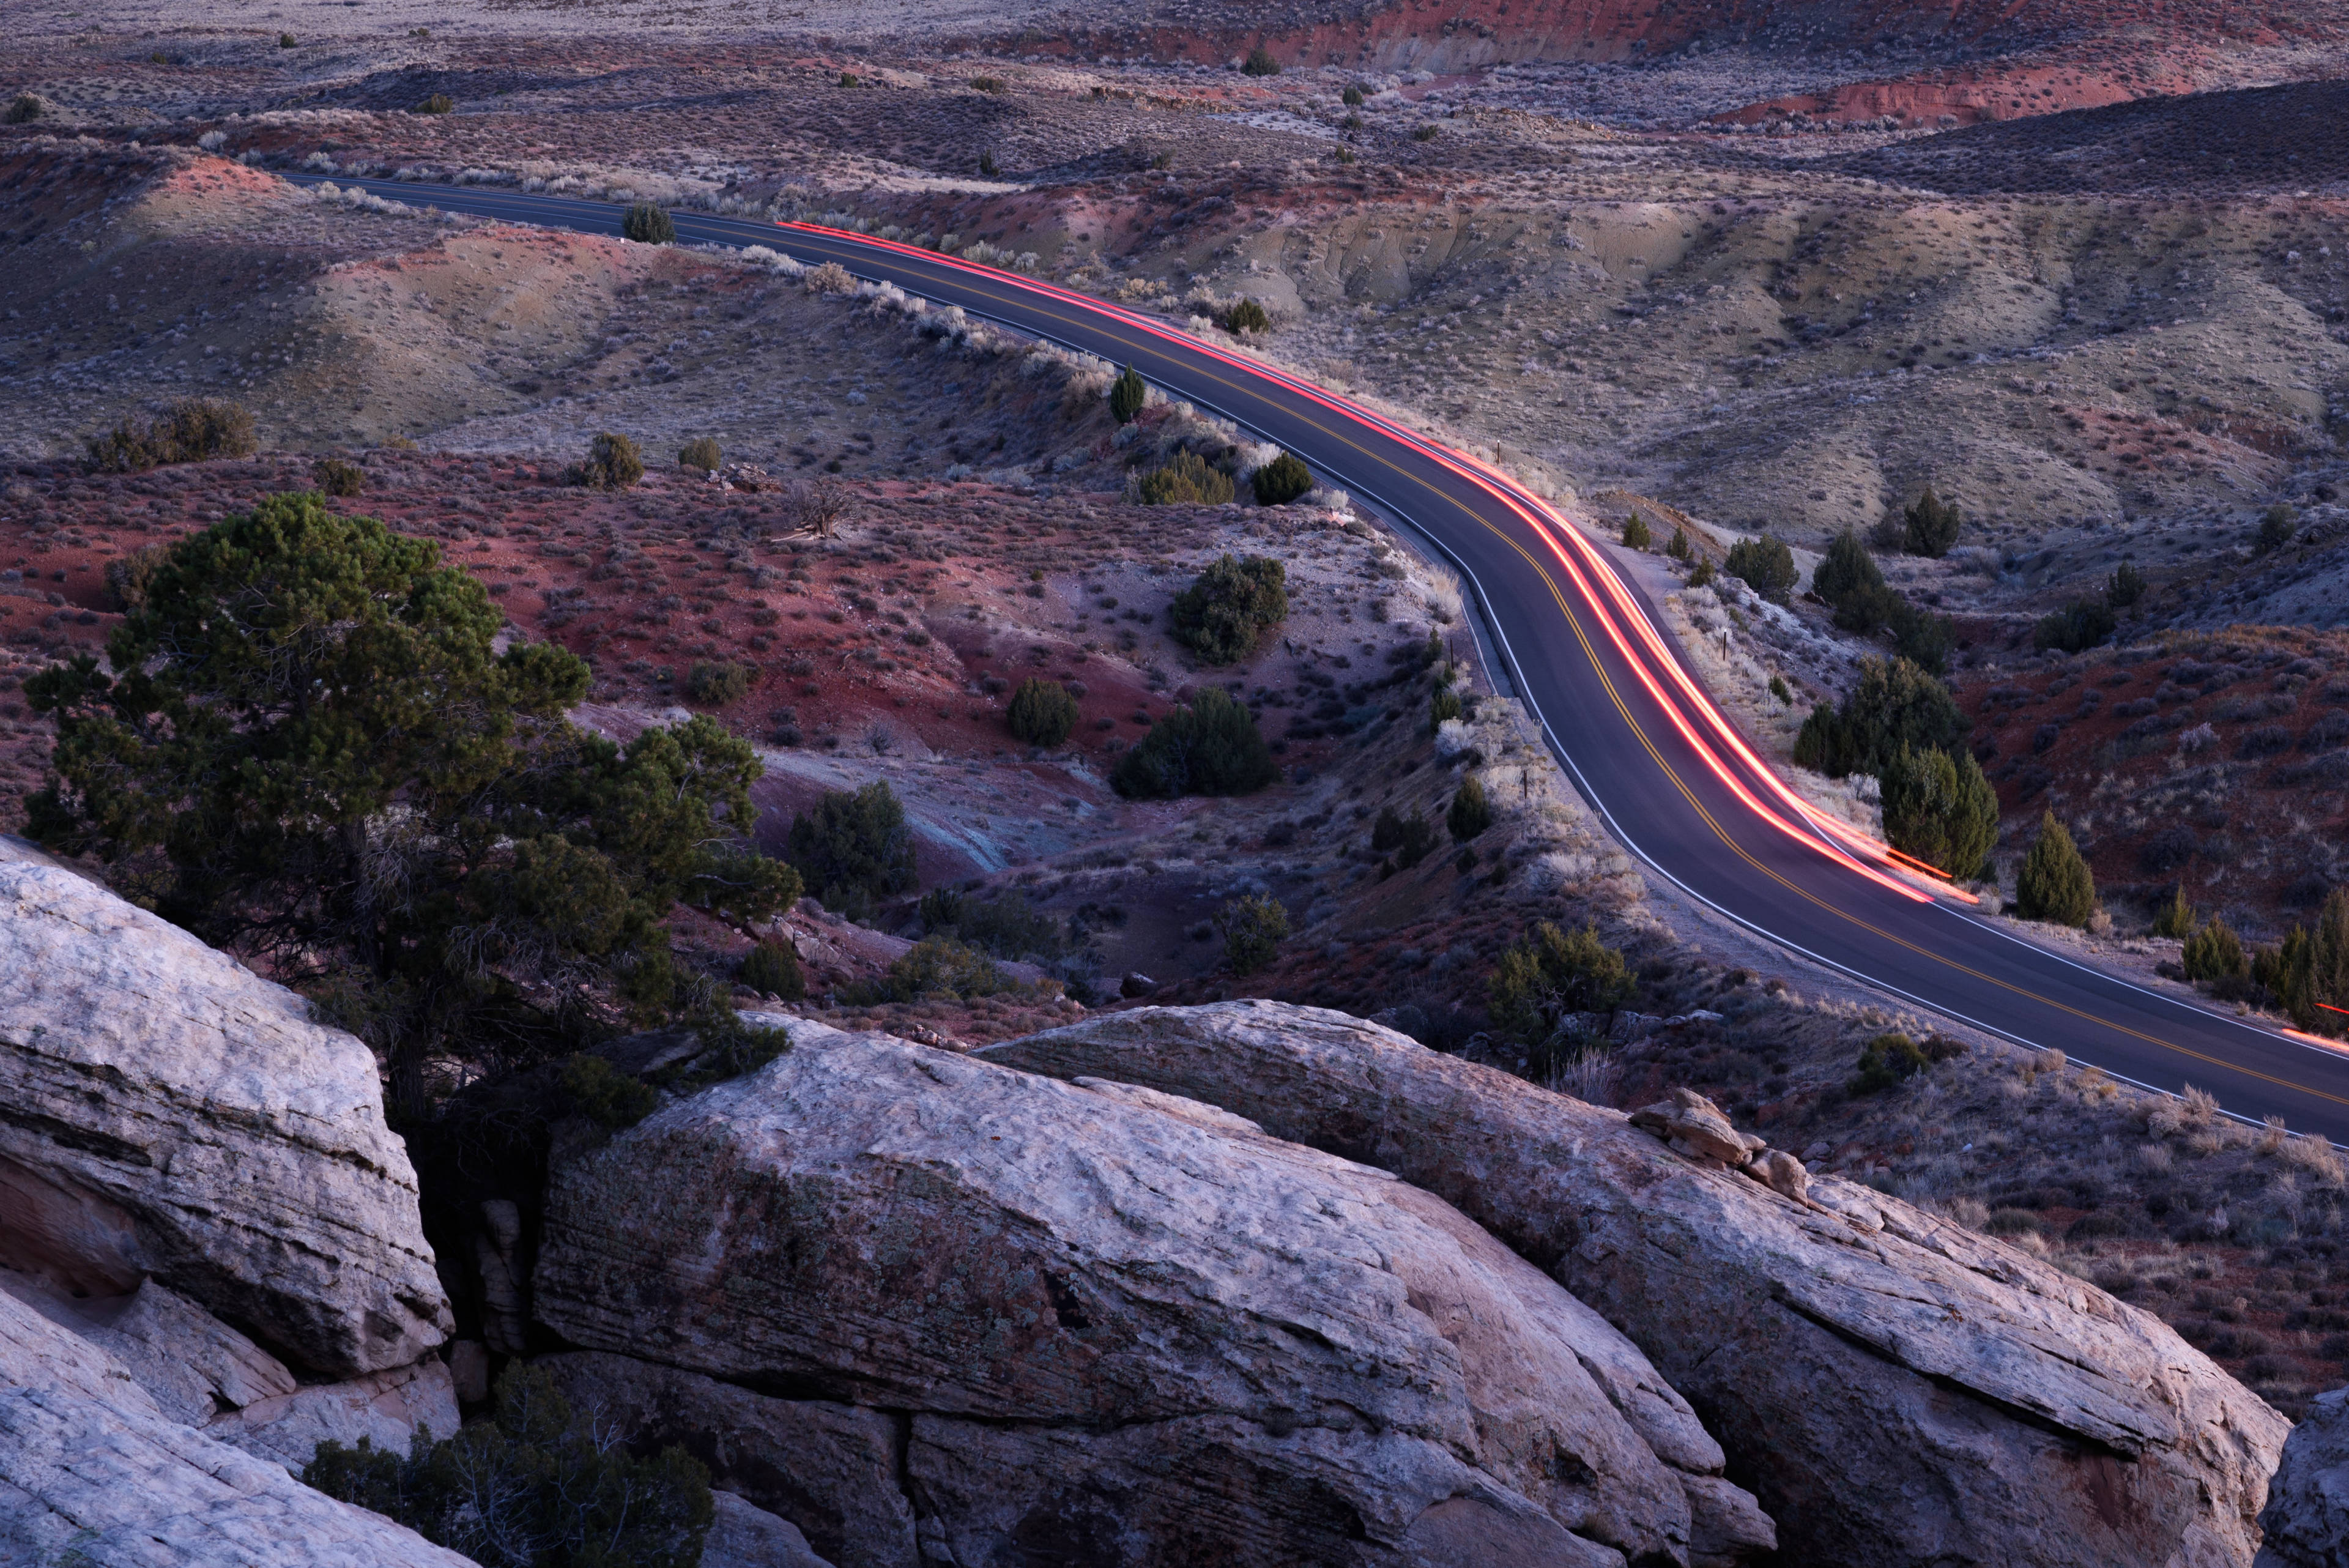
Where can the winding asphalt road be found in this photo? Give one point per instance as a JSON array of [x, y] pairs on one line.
[[1614, 697]]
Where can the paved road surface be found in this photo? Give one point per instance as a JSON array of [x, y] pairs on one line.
[[1614, 697]]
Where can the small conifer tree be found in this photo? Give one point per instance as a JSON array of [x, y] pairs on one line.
[[2056, 884]]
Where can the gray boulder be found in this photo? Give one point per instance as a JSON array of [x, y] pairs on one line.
[[2307, 1516], [93, 1473], [1897, 1389], [166, 1113], [1129, 1329]]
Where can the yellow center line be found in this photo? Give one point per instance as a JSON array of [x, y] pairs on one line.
[[1150, 345]]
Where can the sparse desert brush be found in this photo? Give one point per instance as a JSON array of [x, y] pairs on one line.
[[336, 477], [1254, 927], [1424, 132], [613, 463], [773, 968], [1041, 712], [647, 224], [127, 577], [988, 84], [1211, 747], [701, 453], [191, 430], [830, 278], [438, 103]]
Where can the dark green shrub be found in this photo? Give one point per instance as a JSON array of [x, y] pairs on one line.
[[1442, 704], [1247, 316], [438, 103], [1261, 63], [854, 848], [23, 109], [1635, 532], [1351, 98], [988, 84], [1554, 973], [1895, 704], [1887, 1060], [1228, 608], [601, 1093], [701, 453], [1846, 570], [336, 477], [534, 1489], [1210, 747], [1700, 575], [2176, 918], [1008, 928], [1424, 131], [987, 166], [286, 41], [1186, 477], [772, 968], [1254, 927], [2276, 529], [848, 79], [1281, 481], [1781, 691], [192, 429], [2215, 953], [1940, 809], [1041, 712], [2126, 586], [1766, 566], [1921, 637], [613, 463], [1930, 525], [647, 224], [1680, 549], [716, 683], [1470, 812], [2078, 627], [1127, 395], [935, 967], [127, 577], [2056, 884]]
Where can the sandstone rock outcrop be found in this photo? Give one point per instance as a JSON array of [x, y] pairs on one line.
[[2307, 1516], [385, 1407], [1127, 1330], [93, 1473], [165, 1113], [1895, 1390]]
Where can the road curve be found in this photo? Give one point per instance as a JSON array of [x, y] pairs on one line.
[[1613, 694]]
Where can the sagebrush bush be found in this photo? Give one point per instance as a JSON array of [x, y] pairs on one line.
[[773, 968], [854, 848], [613, 463], [1127, 395], [536, 1487], [192, 429], [1186, 477], [701, 453], [714, 683], [1210, 747], [1228, 608], [336, 477], [2056, 884], [831, 277], [648, 224], [1041, 712], [1247, 316], [438, 103], [1254, 927], [1552, 973], [1281, 481]]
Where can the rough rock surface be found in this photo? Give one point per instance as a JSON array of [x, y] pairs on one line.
[[2307, 1515], [189, 1363], [385, 1407], [1126, 1335], [165, 1112], [92, 1473], [1895, 1390], [832, 1469], [745, 1536]]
